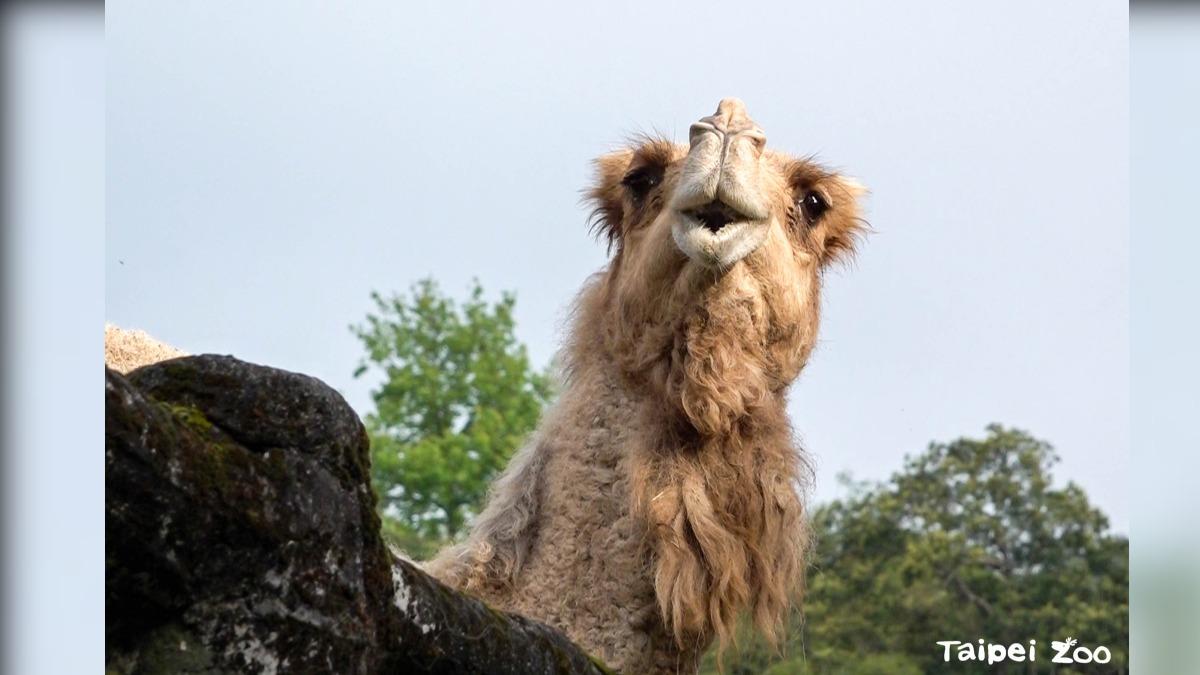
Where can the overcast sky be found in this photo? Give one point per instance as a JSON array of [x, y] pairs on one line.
[[269, 164]]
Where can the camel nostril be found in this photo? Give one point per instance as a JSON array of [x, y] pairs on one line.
[[699, 130], [758, 139]]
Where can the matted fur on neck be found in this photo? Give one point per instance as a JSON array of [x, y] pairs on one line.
[[718, 479], [713, 475]]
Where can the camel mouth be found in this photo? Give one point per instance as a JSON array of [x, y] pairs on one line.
[[715, 215], [716, 234]]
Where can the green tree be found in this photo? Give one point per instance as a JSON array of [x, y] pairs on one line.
[[969, 540], [457, 398]]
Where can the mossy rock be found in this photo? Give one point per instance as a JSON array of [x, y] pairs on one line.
[[242, 537]]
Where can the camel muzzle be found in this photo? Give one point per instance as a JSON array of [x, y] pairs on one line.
[[721, 214]]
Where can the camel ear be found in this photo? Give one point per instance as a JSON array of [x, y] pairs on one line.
[[842, 226], [607, 196]]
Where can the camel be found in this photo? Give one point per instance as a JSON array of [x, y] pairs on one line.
[[661, 496]]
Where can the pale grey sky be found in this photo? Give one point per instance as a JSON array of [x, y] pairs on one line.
[[269, 164]]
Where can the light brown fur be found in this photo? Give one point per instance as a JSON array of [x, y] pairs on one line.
[[661, 496], [126, 350]]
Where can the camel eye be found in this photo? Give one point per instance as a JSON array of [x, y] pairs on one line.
[[642, 180], [814, 205]]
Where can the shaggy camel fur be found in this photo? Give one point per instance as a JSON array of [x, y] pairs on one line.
[[126, 350], [661, 495]]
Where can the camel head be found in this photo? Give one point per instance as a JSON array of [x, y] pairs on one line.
[[712, 294]]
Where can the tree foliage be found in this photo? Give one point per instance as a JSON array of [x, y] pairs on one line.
[[458, 396], [969, 540]]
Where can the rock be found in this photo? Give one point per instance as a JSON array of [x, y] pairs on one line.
[[241, 537]]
